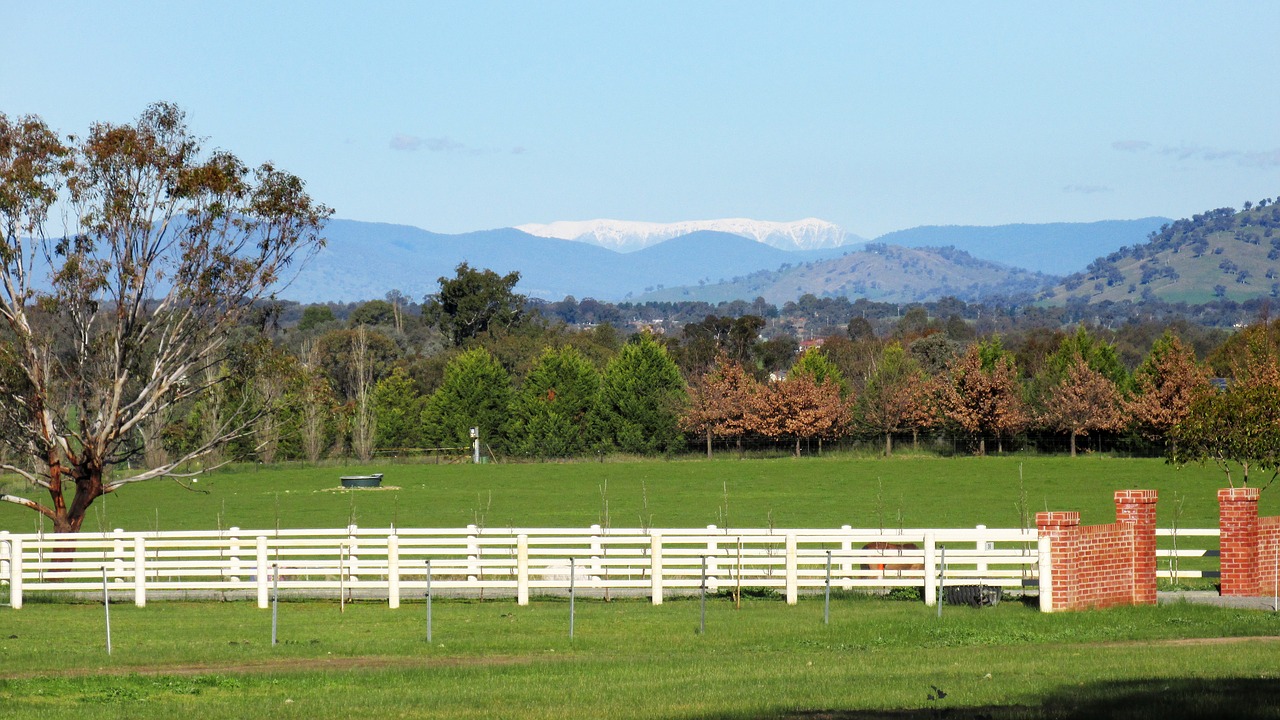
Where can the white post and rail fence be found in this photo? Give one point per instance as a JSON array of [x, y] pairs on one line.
[[391, 565]]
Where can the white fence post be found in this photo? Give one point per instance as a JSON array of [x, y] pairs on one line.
[[596, 552], [235, 555], [982, 547], [522, 569], [15, 573], [262, 572], [1045, 575], [393, 572], [4, 555], [930, 570], [473, 554], [353, 559], [793, 595], [118, 554], [712, 583], [139, 571], [846, 567], [655, 567]]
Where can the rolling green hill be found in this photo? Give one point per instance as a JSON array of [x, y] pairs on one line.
[[1217, 254], [887, 273]]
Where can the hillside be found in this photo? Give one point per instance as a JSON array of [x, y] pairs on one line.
[[879, 272], [1055, 248], [363, 261], [1217, 254]]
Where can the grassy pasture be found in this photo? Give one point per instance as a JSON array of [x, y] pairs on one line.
[[877, 658], [815, 492]]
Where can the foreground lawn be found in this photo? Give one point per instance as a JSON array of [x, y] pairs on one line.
[[877, 658], [816, 492]]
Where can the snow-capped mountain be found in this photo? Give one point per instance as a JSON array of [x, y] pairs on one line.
[[628, 236]]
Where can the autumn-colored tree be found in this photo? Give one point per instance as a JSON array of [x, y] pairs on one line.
[[113, 321], [722, 402], [1084, 401], [801, 409], [1165, 386], [983, 400], [891, 398]]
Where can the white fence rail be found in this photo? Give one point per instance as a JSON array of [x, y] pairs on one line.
[[1185, 554], [388, 563]]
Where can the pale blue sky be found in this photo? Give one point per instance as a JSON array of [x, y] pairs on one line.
[[877, 116]]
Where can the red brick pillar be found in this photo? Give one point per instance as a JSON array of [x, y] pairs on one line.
[[1137, 508], [1238, 524], [1063, 530]]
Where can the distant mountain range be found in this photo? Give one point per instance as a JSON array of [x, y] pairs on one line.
[[363, 260], [629, 236]]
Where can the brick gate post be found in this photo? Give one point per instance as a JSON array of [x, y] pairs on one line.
[[1238, 525], [1138, 509]]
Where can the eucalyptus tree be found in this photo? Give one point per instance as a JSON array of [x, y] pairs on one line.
[[112, 320]]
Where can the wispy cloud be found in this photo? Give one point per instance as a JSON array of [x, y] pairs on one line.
[[412, 143], [406, 143], [1187, 152], [1261, 159], [1086, 189]]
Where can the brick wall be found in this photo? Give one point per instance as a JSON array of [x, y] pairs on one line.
[[1250, 545], [1103, 565]]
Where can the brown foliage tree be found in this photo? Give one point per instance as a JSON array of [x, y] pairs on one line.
[[1165, 386], [1084, 401], [982, 400], [722, 402], [802, 409]]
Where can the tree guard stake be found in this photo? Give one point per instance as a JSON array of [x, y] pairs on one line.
[[826, 600], [106, 606]]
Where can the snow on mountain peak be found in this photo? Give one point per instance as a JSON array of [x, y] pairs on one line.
[[628, 236]]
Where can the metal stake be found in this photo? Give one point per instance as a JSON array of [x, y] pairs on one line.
[[275, 602], [571, 597], [826, 600], [702, 625], [428, 601], [942, 574], [106, 606]]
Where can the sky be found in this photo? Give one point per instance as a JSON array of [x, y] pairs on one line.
[[877, 116]]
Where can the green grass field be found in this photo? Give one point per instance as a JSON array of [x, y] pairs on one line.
[[818, 492], [631, 660], [878, 658]]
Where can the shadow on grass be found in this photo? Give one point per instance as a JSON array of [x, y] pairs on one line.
[[1176, 699]]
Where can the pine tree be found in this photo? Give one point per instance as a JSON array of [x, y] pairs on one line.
[[641, 398], [550, 413], [475, 392]]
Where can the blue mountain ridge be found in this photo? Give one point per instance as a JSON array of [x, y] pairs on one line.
[[363, 260], [1053, 248]]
